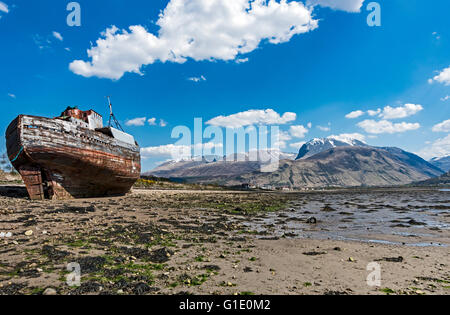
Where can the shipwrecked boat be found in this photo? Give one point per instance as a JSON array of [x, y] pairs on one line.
[[73, 155]]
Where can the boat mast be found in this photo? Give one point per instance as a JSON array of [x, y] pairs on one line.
[[112, 117]]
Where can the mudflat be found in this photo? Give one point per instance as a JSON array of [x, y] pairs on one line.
[[227, 242]]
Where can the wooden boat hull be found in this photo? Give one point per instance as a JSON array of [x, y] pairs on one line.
[[58, 159]]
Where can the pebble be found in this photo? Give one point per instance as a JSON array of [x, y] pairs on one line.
[[29, 233], [50, 291]]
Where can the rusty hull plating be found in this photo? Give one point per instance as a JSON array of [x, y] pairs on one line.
[[72, 156]]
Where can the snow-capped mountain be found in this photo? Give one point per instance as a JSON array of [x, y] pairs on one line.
[[319, 145], [337, 161], [233, 164], [261, 155], [442, 162]]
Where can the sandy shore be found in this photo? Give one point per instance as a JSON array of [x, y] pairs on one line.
[[192, 242]]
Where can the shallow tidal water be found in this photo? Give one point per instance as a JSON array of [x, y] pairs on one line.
[[407, 217]]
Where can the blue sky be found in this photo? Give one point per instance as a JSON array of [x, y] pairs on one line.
[[333, 66]]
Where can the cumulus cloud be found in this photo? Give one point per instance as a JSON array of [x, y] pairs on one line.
[[298, 131], [354, 114], [4, 7], [177, 152], [283, 138], [252, 117], [140, 121], [297, 145], [445, 98], [198, 30], [242, 60], [344, 5], [58, 36], [374, 112], [137, 122], [43, 42], [438, 148], [388, 112], [324, 128], [436, 35], [443, 77], [197, 79], [442, 127], [162, 150], [400, 112], [385, 126]]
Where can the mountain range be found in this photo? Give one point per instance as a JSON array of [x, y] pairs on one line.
[[443, 180], [199, 168], [324, 162], [443, 163]]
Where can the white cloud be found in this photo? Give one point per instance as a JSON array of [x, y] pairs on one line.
[[11, 95], [374, 112], [197, 79], [162, 123], [253, 117], [389, 112], [442, 77], [58, 36], [309, 125], [138, 122], [283, 138], [242, 60], [152, 121], [324, 128], [297, 145], [442, 127], [4, 7], [162, 150], [347, 137], [344, 5], [439, 148], [400, 112], [445, 98], [41, 41], [436, 35], [355, 114], [298, 131], [385, 126], [197, 29], [177, 152]]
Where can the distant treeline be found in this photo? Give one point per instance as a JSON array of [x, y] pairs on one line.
[[164, 180]]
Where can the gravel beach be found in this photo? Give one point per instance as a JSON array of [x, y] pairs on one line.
[[225, 242]]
